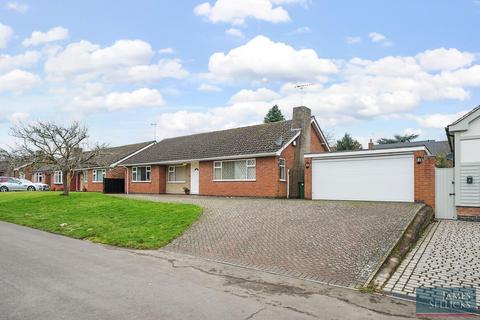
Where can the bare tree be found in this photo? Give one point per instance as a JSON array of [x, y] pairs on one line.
[[47, 143]]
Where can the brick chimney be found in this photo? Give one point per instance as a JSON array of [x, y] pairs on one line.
[[301, 119], [370, 144]]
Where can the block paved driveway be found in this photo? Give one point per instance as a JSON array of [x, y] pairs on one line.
[[336, 242], [447, 256]]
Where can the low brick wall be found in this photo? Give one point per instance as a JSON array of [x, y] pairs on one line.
[[468, 213]]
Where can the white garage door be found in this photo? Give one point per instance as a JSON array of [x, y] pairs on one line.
[[386, 178]]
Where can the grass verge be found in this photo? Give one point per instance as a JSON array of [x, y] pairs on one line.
[[100, 218]]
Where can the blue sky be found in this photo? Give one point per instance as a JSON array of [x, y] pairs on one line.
[[193, 66]]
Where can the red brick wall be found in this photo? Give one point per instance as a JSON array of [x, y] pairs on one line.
[[157, 185], [424, 179], [266, 184], [468, 212], [316, 145], [118, 173], [288, 154]]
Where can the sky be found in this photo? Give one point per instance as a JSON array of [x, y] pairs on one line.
[[133, 70]]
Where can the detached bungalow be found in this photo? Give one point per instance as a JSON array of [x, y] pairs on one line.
[[263, 160]]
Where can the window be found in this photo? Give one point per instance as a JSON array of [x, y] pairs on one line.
[[98, 175], [38, 177], [234, 170], [176, 174], [21, 175], [85, 176], [283, 172], [141, 174], [58, 177]]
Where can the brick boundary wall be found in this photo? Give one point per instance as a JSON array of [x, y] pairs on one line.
[[424, 176], [468, 213]]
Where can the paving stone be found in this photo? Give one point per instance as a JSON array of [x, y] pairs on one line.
[[340, 242], [447, 256]]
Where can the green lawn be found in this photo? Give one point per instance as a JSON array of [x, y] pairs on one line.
[[100, 218]]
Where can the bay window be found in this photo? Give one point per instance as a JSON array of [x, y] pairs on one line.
[[98, 175], [234, 170], [141, 174]]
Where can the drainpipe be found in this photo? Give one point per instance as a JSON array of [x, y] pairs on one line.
[[126, 180], [288, 183]]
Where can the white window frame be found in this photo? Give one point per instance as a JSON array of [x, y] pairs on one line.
[[58, 177], [174, 170], [219, 165], [148, 171], [37, 175], [283, 169], [95, 175]]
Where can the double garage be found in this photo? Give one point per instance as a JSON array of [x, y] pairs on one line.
[[400, 175]]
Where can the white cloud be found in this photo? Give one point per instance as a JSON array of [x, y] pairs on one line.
[[17, 6], [165, 68], [86, 57], [38, 37], [353, 40], [18, 117], [18, 81], [445, 59], [302, 30], [95, 98], [379, 38], [235, 33], [5, 35], [27, 59], [261, 59], [437, 120], [166, 51], [261, 94], [236, 12], [208, 88]]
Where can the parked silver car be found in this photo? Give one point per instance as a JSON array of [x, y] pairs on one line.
[[38, 186], [14, 184]]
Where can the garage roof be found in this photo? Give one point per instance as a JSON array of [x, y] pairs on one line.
[[367, 153]]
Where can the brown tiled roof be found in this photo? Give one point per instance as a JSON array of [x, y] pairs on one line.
[[258, 139], [106, 158]]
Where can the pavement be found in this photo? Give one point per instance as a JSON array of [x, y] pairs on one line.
[[448, 255], [334, 242], [47, 276]]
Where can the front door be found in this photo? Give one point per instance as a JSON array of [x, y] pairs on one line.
[[444, 194], [194, 177]]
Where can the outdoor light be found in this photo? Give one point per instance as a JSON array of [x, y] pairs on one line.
[[419, 160], [307, 165]]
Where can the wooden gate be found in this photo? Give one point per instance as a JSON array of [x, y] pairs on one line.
[[444, 194], [113, 185]]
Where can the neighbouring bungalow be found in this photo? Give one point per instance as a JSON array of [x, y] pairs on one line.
[[264, 160], [88, 177]]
